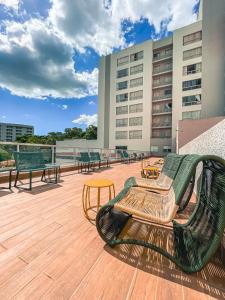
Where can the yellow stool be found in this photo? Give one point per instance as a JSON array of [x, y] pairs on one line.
[[98, 184]]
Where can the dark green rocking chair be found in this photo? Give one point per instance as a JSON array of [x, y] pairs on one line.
[[195, 242]]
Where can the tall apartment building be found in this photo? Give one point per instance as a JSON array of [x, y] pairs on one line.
[[146, 89], [9, 132]]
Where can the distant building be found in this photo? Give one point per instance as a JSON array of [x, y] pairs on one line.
[[146, 89], [9, 132]]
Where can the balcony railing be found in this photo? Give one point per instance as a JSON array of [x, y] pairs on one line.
[[162, 83], [163, 56], [162, 125], [62, 155], [162, 111], [162, 69], [162, 97]]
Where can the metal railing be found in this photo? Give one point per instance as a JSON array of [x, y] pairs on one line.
[[64, 156], [162, 83], [163, 55], [161, 97], [162, 69]]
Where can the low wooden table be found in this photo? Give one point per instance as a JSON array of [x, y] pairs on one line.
[[96, 184]]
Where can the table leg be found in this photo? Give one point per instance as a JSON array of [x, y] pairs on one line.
[[83, 198], [110, 195], [10, 179], [114, 190], [98, 200]]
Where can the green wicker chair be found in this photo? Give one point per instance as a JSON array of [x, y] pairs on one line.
[[29, 162], [195, 242], [165, 179], [84, 162]]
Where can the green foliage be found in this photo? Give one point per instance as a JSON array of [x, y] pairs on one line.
[[4, 155], [91, 133], [69, 133]]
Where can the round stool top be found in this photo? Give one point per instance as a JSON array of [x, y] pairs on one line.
[[98, 183]]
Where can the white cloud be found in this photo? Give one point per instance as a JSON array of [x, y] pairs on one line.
[[36, 57], [3, 117], [36, 63], [64, 107], [86, 120], [93, 24], [14, 4], [91, 102]]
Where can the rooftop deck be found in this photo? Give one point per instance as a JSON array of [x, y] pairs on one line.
[[48, 250]]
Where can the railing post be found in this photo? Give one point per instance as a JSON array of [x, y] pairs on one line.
[[53, 154], [18, 147]]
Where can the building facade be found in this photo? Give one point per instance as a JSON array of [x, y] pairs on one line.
[[146, 89], [9, 132]]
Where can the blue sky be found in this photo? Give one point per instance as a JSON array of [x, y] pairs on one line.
[[50, 51]]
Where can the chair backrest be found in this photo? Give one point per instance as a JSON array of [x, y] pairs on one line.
[[205, 228], [95, 156], [170, 168], [125, 154], [28, 160], [84, 157]]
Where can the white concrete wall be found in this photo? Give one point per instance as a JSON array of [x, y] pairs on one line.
[[210, 142], [132, 144], [85, 144], [178, 77]]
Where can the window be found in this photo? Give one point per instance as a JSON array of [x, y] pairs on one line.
[[136, 82], [135, 134], [121, 147], [192, 38], [122, 97], [162, 53], [154, 149], [163, 67], [122, 73], [192, 53], [191, 115], [191, 100], [162, 108], [162, 80], [162, 94], [192, 69], [161, 133], [162, 121], [137, 56], [167, 149], [122, 60], [122, 110], [192, 84], [136, 69], [136, 121], [122, 122], [122, 85], [136, 108], [136, 95], [121, 135]]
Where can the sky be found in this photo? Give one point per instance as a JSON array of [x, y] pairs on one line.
[[50, 52]]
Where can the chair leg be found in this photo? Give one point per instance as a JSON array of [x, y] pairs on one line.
[[10, 179], [16, 179], [30, 185]]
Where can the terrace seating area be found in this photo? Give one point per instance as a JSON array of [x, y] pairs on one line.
[[49, 250]]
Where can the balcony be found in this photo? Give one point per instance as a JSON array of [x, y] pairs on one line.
[[161, 98], [161, 70], [161, 112], [162, 125], [163, 56], [162, 83]]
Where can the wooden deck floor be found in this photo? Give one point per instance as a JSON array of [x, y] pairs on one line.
[[48, 250]]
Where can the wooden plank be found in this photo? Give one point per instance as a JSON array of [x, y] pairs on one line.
[[35, 289]]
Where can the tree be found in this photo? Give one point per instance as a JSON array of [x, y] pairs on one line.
[[74, 133], [91, 133]]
